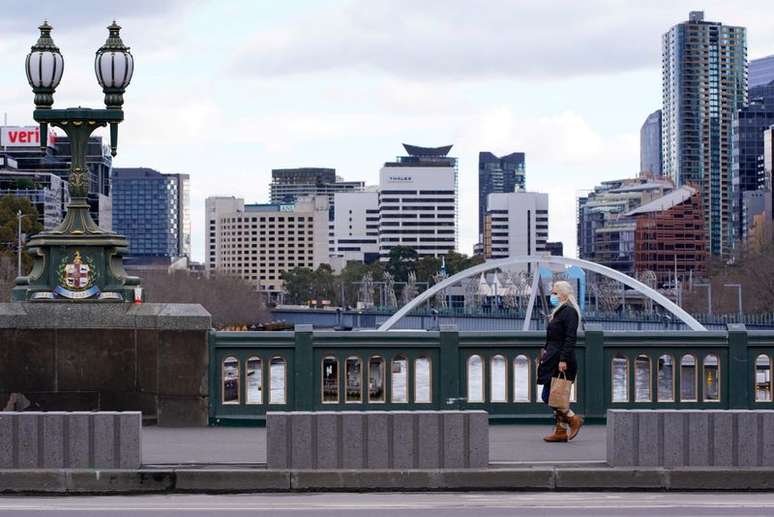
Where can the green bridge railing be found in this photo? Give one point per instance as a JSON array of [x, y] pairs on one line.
[[304, 370]]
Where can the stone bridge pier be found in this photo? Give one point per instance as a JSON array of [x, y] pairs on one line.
[[66, 356]]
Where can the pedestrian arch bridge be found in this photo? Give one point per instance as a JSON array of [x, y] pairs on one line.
[[536, 261]]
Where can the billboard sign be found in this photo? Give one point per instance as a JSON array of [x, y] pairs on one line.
[[24, 136]]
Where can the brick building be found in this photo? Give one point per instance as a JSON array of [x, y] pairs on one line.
[[670, 236]]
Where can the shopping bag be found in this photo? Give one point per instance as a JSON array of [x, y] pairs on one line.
[[559, 396]]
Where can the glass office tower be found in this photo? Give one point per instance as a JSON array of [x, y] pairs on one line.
[[704, 84], [153, 211], [498, 175]]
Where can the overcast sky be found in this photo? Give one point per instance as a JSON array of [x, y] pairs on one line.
[[227, 90]]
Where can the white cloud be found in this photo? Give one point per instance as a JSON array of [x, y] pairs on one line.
[[463, 40]]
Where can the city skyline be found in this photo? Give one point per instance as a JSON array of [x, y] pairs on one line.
[[574, 106]]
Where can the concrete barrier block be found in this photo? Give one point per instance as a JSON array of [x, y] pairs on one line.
[[353, 440], [27, 441], [7, 439], [78, 433], [748, 445], [130, 442], [378, 445], [675, 446], [723, 438], [698, 438], [430, 439], [403, 444], [478, 439], [277, 433], [454, 452], [103, 441], [53, 443], [622, 448], [51, 440], [327, 454], [767, 453], [650, 433], [301, 456]]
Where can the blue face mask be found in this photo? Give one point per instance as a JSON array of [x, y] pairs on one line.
[[554, 300]]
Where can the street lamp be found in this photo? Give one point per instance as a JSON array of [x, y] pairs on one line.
[[709, 295], [739, 297], [78, 260]]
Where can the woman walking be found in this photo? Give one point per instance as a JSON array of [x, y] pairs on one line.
[[559, 357]]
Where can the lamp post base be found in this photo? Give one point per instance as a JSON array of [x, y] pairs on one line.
[[77, 261]]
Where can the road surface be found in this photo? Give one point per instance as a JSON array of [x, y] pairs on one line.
[[403, 504]]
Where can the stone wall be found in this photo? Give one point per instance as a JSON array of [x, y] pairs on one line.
[[107, 357]]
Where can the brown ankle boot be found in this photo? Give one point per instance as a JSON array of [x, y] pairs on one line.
[[559, 434], [576, 422]]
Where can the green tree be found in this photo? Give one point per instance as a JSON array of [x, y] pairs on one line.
[[298, 285], [9, 226], [401, 260], [426, 268], [456, 262], [324, 284]]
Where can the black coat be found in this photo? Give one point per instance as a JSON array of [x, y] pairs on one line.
[[561, 335]]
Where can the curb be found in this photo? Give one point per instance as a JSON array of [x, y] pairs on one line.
[[541, 478]]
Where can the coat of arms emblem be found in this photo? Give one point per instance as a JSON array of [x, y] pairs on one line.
[[76, 277]]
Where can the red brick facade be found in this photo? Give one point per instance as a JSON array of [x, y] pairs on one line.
[[671, 239]]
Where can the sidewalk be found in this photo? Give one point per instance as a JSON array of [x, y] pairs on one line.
[[508, 444]]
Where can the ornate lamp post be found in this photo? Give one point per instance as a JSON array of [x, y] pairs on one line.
[[78, 260]]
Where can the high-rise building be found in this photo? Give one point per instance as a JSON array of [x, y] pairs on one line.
[[418, 202], [47, 192], [748, 127], [288, 184], [761, 71], [516, 224], [650, 145], [22, 144], [555, 249], [356, 226], [260, 242], [767, 163], [496, 175], [605, 234], [153, 211], [100, 164], [704, 84], [669, 236]]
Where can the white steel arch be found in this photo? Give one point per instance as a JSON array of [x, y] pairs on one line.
[[537, 261]]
